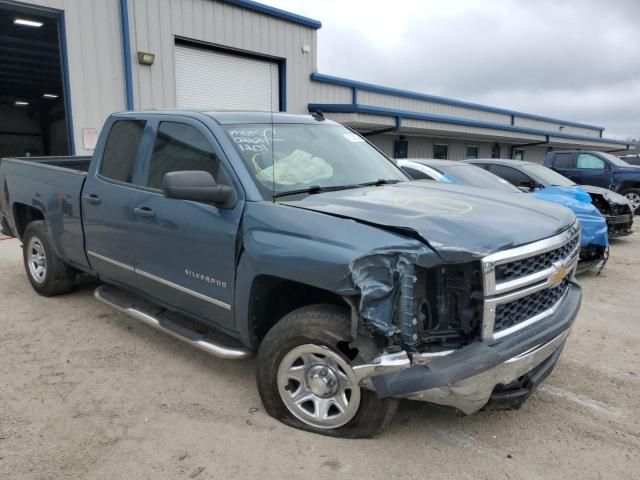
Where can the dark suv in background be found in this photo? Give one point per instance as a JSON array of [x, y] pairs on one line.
[[599, 169]]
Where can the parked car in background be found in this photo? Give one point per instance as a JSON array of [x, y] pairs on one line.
[[600, 170], [292, 236], [533, 177], [594, 242], [631, 159]]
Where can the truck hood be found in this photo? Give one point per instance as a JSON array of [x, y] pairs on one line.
[[456, 221]]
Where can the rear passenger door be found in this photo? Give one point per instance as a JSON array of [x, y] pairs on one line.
[[107, 199], [185, 250], [565, 164]]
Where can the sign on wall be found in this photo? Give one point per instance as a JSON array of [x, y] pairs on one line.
[[89, 138]]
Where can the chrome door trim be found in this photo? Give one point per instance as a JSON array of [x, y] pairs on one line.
[[126, 267], [150, 276]]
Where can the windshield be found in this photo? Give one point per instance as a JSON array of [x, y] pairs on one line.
[[615, 160], [475, 177], [545, 176], [308, 156]]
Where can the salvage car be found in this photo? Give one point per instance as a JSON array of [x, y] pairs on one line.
[[295, 238], [594, 243], [599, 169], [532, 177]]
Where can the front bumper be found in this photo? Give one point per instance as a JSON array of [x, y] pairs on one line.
[[620, 225], [466, 378]]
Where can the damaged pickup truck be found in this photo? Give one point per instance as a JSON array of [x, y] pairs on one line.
[[295, 238]]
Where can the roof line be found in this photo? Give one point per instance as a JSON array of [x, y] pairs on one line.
[[276, 12], [357, 108], [320, 77]]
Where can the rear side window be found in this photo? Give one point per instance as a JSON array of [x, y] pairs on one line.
[[416, 174], [563, 160], [178, 147], [511, 175], [121, 150]]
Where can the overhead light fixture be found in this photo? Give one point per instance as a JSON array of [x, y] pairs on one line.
[[28, 23], [21, 103], [146, 58], [49, 95]]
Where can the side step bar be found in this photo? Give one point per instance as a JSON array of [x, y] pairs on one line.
[[121, 302]]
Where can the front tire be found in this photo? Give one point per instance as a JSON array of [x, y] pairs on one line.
[[305, 379], [633, 195], [47, 273]]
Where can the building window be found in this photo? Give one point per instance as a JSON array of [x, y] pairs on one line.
[[472, 153], [518, 154], [441, 152]]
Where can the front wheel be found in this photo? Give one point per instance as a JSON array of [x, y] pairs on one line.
[[633, 195], [306, 380]]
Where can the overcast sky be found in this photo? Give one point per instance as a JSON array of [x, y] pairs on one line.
[[577, 60]]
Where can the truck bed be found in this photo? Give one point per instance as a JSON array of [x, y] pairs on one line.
[[77, 163], [52, 186]]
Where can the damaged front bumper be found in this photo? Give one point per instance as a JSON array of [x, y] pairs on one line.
[[503, 372]]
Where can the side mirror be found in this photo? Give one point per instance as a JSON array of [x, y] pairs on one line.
[[195, 185], [528, 186]]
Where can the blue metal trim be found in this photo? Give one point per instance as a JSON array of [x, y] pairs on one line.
[[349, 108], [354, 95], [513, 119], [126, 52], [319, 77], [67, 83], [282, 66], [276, 12], [398, 122]]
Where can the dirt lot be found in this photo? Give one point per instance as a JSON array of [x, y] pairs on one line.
[[88, 393]]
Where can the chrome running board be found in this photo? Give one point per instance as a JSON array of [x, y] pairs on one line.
[[121, 301]]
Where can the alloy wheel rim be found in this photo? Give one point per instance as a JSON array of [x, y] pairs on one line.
[[37, 260], [634, 199], [318, 386]]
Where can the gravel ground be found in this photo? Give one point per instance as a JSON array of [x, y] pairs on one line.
[[88, 393]]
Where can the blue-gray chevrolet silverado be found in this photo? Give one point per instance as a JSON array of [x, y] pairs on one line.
[[294, 237]]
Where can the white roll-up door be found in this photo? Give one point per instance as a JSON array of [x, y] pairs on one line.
[[208, 79]]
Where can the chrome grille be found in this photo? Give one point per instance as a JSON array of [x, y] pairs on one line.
[[512, 313], [536, 263], [526, 284]]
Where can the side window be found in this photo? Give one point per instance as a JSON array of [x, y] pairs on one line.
[[121, 150], [586, 161], [563, 160], [441, 152], [177, 147], [416, 174], [511, 175]]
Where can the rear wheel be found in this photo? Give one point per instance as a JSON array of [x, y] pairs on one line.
[[47, 273], [306, 380], [633, 195]]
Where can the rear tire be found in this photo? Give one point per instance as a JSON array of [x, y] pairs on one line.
[[47, 273], [306, 344], [633, 195]]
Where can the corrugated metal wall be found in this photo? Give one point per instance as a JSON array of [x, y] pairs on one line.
[[95, 61], [154, 24]]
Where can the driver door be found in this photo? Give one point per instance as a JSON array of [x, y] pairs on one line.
[[186, 250], [592, 170]]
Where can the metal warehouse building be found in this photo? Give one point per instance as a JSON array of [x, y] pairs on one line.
[[66, 64]]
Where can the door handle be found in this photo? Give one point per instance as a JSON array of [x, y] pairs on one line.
[[144, 212], [93, 199]]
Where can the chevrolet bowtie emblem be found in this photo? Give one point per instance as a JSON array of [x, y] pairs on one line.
[[558, 276]]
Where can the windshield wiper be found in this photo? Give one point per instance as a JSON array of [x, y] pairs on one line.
[[313, 189], [380, 181]]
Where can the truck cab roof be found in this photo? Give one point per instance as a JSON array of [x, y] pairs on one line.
[[229, 117]]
